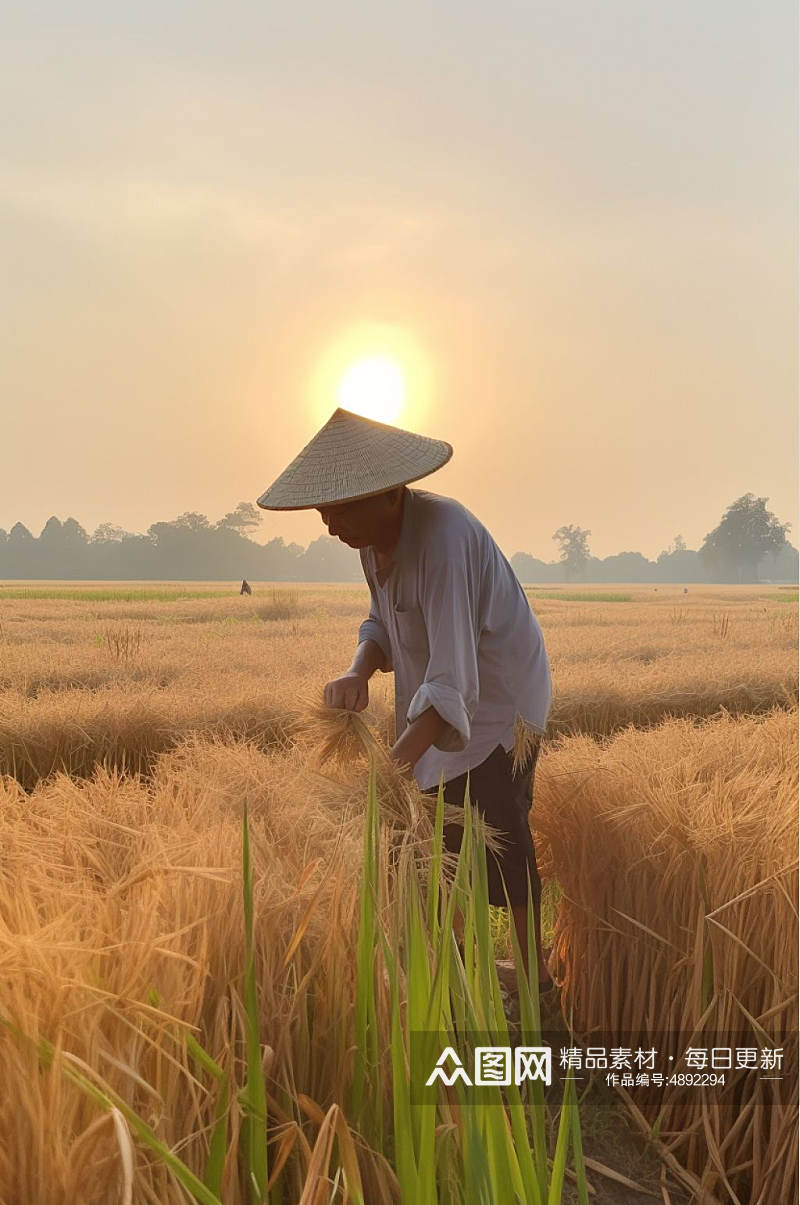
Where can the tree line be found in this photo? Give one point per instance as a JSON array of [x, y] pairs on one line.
[[748, 545], [189, 548]]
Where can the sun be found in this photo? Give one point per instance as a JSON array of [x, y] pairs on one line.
[[374, 388]]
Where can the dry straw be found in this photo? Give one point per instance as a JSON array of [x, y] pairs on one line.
[[121, 933], [346, 741], [677, 854], [73, 731], [120, 912]]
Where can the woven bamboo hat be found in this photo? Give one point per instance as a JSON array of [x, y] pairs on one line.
[[353, 457]]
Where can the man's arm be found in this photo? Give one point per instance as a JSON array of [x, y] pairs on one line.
[[368, 658], [418, 738], [350, 690]]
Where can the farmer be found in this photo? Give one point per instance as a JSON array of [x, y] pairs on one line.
[[449, 616]]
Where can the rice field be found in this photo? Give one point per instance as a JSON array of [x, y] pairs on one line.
[[138, 726], [75, 593], [676, 854], [120, 681]]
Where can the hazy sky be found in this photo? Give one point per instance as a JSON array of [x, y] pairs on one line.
[[574, 223]]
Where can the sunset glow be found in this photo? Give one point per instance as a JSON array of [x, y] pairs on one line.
[[374, 388]]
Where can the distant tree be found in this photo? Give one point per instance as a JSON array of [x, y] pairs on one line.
[[73, 532], [19, 558], [744, 535], [192, 520], [109, 533], [280, 562], [780, 566], [530, 569], [681, 566], [328, 560], [623, 567], [20, 535], [244, 518], [62, 549], [677, 545], [51, 532], [74, 553], [573, 548], [184, 548], [51, 538]]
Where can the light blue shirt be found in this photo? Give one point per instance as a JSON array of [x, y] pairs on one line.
[[454, 624]]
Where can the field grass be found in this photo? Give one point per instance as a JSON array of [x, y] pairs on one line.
[[579, 595], [111, 594], [133, 733], [82, 682]]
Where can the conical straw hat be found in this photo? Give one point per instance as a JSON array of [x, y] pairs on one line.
[[353, 457]]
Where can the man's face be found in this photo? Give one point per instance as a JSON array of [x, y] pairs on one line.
[[362, 522]]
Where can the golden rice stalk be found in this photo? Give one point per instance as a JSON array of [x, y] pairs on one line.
[[676, 853], [113, 887], [337, 733], [73, 731], [345, 737]]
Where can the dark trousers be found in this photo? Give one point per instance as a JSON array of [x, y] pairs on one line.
[[504, 799]]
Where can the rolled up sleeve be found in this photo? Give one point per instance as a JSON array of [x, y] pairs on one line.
[[451, 683], [373, 629]]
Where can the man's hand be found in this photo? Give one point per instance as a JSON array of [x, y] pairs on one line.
[[350, 692]]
